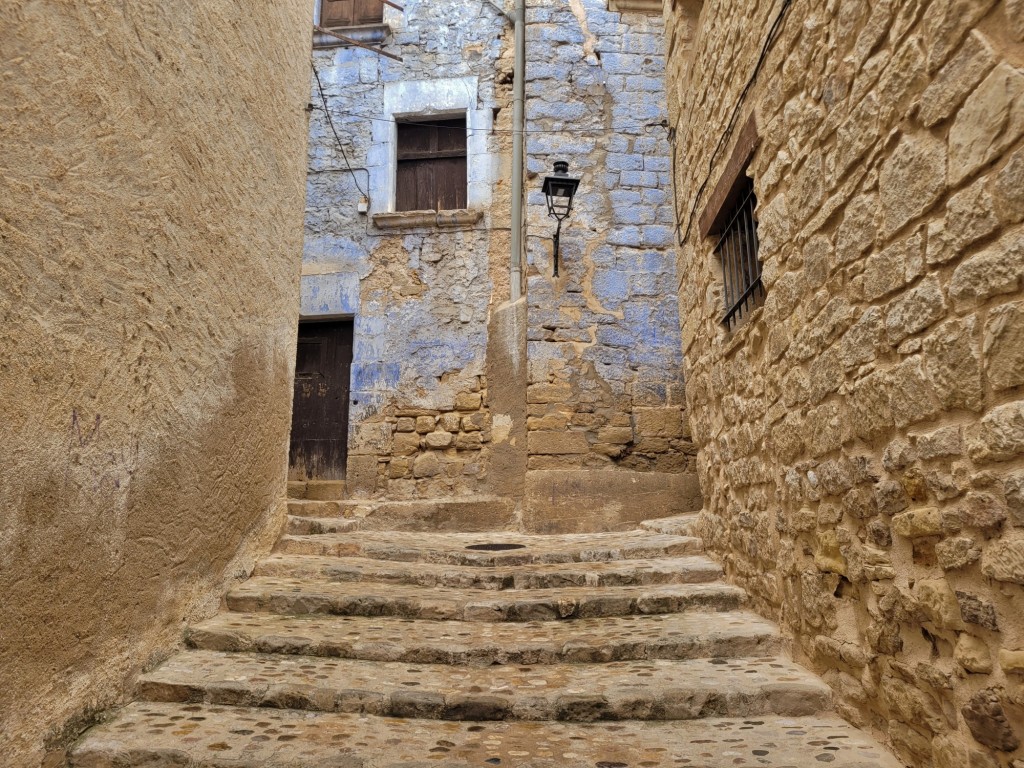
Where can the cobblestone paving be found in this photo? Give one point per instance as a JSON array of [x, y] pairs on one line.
[[389, 649], [674, 636], [676, 570], [213, 736]]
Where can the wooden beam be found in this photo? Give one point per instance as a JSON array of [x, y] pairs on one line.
[[351, 41]]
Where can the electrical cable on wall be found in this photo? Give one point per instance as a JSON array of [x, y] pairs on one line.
[[623, 131], [772, 35], [330, 120]]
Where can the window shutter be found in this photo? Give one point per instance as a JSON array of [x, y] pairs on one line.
[[431, 173], [337, 13], [368, 12]]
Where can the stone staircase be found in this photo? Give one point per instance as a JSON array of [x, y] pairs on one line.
[[358, 648]]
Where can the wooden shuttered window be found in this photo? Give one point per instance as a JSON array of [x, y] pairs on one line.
[[431, 174], [350, 13]]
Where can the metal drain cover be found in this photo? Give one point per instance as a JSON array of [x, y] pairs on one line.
[[495, 547]]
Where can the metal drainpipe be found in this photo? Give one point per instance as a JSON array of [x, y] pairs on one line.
[[518, 120]]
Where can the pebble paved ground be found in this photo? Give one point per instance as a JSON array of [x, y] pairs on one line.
[[376, 649]]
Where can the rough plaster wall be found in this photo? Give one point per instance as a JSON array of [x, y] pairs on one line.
[[150, 231], [422, 297], [862, 436], [605, 367]]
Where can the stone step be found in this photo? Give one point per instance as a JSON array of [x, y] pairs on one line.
[[673, 636], [316, 489], [472, 513], [677, 525], [694, 569], [308, 526], [199, 736], [618, 690], [305, 596], [515, 548], [313, 508]]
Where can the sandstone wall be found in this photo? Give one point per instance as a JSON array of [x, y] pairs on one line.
[[422, 294], [861, 437], [151, 186]]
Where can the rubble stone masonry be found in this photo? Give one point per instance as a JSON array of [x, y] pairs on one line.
[[861, 435]]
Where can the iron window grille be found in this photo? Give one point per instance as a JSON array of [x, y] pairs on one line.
[[741, 266]]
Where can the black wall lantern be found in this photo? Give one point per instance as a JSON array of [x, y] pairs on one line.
[[559, 190]]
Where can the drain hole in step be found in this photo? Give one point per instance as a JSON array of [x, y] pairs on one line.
[[495, 547]]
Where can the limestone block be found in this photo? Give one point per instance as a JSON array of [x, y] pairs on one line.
[[981, 509], [551, 422], [1015, 17], [938, 603], [991, 120], [406, 444], [449, 422], [911, 180], [659, 422], [944, 23], [970, 215], [911, 704], [1004, 346], [987, 721], [361, 476], [399, 467], [1012, 662], [405, 424], [425, 424], [999, 435], [439, 439], [862, 341], [974, 610], [953, 363], [828, 557], [916, 523], [1008, 190], [972, 654], [469, 441], [468, 401], [1004, 560], [957, 552], [914, 310], [894, 267], [615, 435], [372, 439], [946, 441], [548, 393], [957, 79], [554, 443], [996, 270], [1013, 488], [426, 465]]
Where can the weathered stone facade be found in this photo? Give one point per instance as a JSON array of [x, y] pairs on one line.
[[421, 291], [436, 344], [150, 237], [861, 435]]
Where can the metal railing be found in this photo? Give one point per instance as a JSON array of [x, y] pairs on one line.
[[741, 268]]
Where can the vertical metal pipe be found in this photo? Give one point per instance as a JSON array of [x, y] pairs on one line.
[[518, 125]]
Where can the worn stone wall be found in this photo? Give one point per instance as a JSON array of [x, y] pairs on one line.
[[150, 234], [422, 294], [605, 367], [861, 436]]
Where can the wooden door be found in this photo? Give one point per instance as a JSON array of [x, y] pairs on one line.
[[323, 365]]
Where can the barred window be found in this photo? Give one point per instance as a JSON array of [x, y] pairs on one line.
[[730, 217], [737, 249]]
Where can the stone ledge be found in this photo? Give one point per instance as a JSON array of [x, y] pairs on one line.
[[370, 34], [635, 6], [442, 219]]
